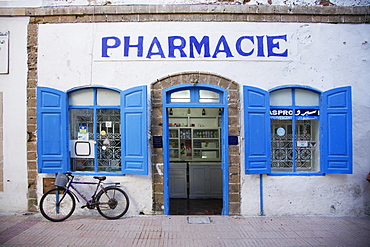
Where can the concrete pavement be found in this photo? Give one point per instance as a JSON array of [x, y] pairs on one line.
[[34, 230]]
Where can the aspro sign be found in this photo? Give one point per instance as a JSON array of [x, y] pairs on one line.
[[217, 46]]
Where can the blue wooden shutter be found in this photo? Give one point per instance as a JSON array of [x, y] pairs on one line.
[[134, 122], [51, 130], [336, 117], [257, 131]]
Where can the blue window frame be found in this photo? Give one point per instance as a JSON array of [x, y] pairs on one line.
[[194, 95], [53, 129], [95, 130], [320, 129]]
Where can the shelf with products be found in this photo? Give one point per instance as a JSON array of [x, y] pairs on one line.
[[194, 121], [192, 143], [194, 134], [195, 117]]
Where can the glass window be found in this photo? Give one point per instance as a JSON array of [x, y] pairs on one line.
[[282, 97], [108, 140], [206, 96], [180, 96], [108, 97], [195, 95], [295, 131], [306, 98], [98, 127], [81, 97], [311, 136]]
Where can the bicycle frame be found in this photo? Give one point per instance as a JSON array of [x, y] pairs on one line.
[[99, 185], [59, 203]]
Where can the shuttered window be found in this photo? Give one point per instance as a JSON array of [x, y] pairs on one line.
[[296, 130], [99, 131]]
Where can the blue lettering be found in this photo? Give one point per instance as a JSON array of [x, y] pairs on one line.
[[271, 45], [260, 52], [198, 46], [105, 46], [156, 43], [239, 46], [172, 47], [226, 49], [139, 46]]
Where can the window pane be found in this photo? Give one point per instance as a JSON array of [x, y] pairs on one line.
[[82, 97], [208, 96], [282, 97], [306, 98], [307, 154], [108, 140], [181, 96], [307, 150], [108, 97], [281, 145], [81, 121]]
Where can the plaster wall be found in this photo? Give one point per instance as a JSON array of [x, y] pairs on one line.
[[13, 85], [322, 56]]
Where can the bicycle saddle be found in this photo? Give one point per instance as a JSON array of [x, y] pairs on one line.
[[102, 178]]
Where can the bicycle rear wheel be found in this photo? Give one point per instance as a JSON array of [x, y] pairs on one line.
[[113, 203], [57, 204]]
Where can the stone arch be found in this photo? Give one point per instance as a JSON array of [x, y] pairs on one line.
[[233, 125]]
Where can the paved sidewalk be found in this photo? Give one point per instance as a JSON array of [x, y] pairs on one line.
[[34, 230]]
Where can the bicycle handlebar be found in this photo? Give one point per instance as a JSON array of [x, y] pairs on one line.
[[69, 174]]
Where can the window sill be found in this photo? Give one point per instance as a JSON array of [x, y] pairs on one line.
[[296, 174], [99, 173]]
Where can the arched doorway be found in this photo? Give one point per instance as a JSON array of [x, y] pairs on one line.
[[230, 125], [195, 149]]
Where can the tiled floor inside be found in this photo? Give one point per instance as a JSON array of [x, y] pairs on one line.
[[195, 206]]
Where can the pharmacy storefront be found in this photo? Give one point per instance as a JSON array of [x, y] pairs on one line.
[[244, 118]]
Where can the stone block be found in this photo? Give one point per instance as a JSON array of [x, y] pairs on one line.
[[51, 19], [256, 18], [234, 208], [234, 189], [288, 18], [32, 165], [234, 159], [234, 178], [158, 187], [234, 197], [32, 205], [335, 19], [304, 18]]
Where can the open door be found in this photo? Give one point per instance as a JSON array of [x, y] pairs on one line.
[[195, 152]]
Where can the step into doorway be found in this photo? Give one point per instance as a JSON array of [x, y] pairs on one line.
[[195, 206]]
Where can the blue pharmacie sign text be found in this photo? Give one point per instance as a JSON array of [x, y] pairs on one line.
[[193, 47]]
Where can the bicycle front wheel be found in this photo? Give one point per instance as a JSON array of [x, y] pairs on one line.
[[113, 203], [57, 204]]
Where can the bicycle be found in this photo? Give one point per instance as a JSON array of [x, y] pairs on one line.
[[59, 203]]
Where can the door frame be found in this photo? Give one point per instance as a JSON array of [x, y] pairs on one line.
[[224, 135]]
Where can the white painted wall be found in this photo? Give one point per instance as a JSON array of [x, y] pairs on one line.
[[45, 3], [13, 86], [323, 56]]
